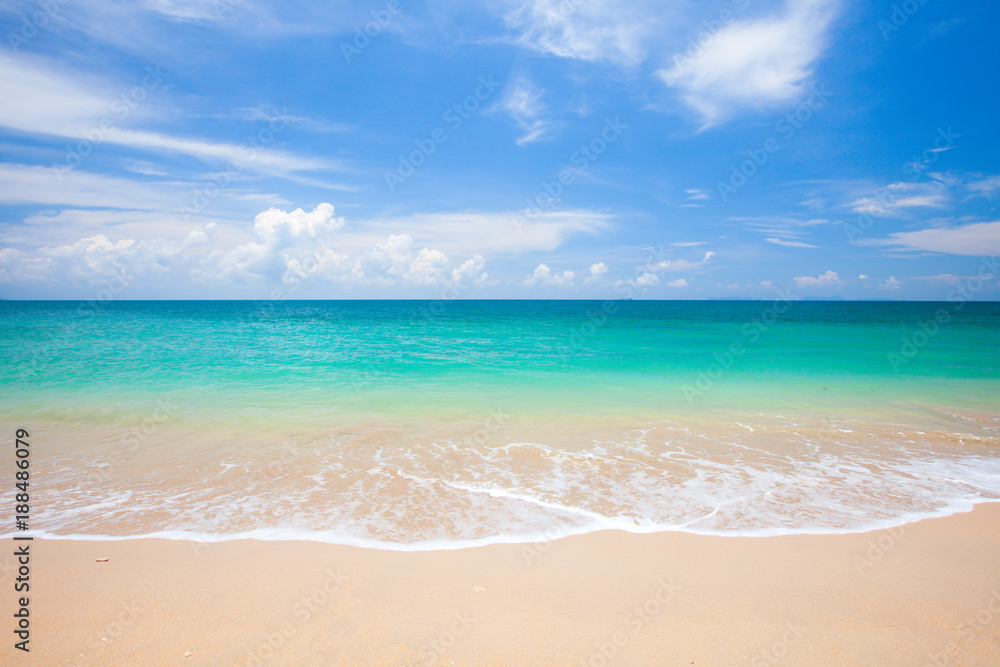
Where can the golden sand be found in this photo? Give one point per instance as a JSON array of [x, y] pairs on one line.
[[924, 594]]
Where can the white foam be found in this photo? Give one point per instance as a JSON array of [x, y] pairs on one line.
[[444, 495]]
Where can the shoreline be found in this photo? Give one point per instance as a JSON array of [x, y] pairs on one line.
[[923, 593], [279, 535]]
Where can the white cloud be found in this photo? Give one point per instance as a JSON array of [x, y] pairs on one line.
[[790, 244], [755, 63], [189, 10], [891, 283], [678, 264], [862, 277], [894, 198], [280, 247], [647, 279], [981, 238], [522, 100], [946, 278], [688, 244], [41, 99], [288, 245], [427, 267], [592, 30], [544, 277], [985, 186], [24, 184], [828, 278], [470, 271], [680, 282], [598, 269], [767, 284], [697, 194], [98, 260], [464, 234]]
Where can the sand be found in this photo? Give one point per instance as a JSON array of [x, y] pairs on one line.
[[924, 594]]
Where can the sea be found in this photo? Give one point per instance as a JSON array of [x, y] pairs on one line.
[[422, 425]]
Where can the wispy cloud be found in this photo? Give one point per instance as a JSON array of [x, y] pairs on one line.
[[675, 265], [896, 198], [790, 244], [594, 30], [44, 99], [976, 239], [522, 100], [753, 63]]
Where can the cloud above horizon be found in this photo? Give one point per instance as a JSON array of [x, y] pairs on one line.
[[752, 63]]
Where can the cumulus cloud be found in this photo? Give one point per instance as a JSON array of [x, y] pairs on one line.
[[828, 278], [544, 277], [287, 245], [753, 62], [284, 247], [97, 260], [891, 283], [470, 272], [680, 282], [598, 270]]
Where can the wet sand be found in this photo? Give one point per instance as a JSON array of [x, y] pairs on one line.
[[924, 594]]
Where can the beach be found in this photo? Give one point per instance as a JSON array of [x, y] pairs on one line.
[[923, 594], [345, 483]]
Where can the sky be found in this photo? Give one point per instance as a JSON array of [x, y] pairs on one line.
[[441, 149]]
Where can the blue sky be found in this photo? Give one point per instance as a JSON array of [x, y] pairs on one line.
[[501, 149]]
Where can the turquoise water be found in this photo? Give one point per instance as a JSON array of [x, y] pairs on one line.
[[496, 416], [310, 359]]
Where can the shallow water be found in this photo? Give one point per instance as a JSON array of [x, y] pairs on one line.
[[415, 425]]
